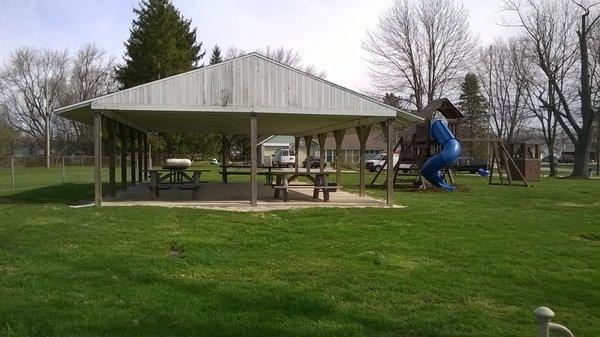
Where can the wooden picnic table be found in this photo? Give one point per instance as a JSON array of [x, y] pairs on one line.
[[318, 183], [241, 170], [166, 178]]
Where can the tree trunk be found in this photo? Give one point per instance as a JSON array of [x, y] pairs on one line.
[[552, 162], [584, 135], [598, 146], [582, 154]]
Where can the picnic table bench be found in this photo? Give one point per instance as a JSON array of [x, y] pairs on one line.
[[166, 178], [318, 180]]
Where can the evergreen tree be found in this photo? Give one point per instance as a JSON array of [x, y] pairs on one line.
[[215, 57], [473, 105], [162, 43], [391, 99]]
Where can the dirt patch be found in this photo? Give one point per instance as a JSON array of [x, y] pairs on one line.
[[591, 237]]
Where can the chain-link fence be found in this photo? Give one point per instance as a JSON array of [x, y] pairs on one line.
[[25, 172]]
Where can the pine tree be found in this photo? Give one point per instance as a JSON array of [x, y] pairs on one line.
[[215, 57], [391, 99], [162, 43], [473, 105]]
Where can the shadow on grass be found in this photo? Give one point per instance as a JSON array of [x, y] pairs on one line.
[[67, 194]]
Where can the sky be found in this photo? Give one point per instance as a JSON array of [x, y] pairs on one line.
[[327, 33]]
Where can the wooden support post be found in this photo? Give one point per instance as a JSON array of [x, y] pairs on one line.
[[253, 161], [123, 136], [110, 132], [388, 128], [224, 149], [363, 134], [296, 148], [131, 133], [140, 153], [146, 154], [308, 143], [322, 137], [338, 135], [97, 158]]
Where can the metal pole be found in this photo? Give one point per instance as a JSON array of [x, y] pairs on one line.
[[12, 171], [63, 170], [47, 113]]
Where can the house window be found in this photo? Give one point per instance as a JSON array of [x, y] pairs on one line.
[[355, 156], [329, 155]]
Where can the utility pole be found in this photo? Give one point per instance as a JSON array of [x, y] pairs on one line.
[[47, 116]]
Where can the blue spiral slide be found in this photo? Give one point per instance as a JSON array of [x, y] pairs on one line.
[[432, 170]]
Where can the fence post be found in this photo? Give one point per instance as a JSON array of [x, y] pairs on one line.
[[12, 171], [544, 316], [63, 170]]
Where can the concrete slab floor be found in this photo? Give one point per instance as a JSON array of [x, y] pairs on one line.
[[235, 197]]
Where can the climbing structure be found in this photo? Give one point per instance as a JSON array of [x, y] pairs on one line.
[[415, 144]]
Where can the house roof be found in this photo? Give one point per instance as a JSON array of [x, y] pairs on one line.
[[221, 97]]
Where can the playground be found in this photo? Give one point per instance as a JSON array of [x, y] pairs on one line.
[[471, 263]]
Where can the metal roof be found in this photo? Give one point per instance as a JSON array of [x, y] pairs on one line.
[[221, 97]]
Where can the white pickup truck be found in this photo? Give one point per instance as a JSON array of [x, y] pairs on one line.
[[376, 164]]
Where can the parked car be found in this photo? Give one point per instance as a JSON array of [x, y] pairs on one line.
[[284, 158], [566, 159], [377, 163], [469, 164], [314, 162], [546, 159]]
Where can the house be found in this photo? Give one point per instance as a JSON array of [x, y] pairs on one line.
[[351, 147], [268, 146]]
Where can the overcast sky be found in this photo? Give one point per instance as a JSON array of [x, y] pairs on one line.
[[328, 33]]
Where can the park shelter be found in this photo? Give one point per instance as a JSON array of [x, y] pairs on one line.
[[249, 95]]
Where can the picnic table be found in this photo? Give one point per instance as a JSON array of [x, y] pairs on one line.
[[243, 170], [167, 178], [318, 183]]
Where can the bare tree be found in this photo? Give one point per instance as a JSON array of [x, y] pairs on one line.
[[287, 56], [595, 76], [548, 124], [502, 69], [560, 32], [31, 84], [90, 75], [420, 49]]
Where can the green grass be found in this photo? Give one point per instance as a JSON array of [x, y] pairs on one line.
[[473, 263]]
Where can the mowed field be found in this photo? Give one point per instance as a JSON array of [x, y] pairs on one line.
[[473, 263]]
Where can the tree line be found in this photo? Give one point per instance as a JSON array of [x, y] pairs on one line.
[[543, 82]]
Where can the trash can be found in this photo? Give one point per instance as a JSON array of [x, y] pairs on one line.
[[590, 173]]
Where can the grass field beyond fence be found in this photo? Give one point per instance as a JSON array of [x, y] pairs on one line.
[[473, 263]]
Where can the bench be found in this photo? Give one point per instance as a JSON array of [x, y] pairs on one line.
[[316, 189], [156, 185], [268, 175]]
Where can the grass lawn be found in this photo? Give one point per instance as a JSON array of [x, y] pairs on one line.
[[472, 263]]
